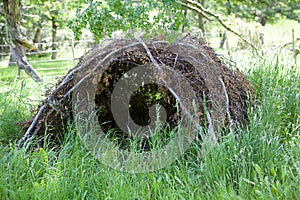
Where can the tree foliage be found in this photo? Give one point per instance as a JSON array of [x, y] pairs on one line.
[[262, 11], [104, 17], [38, 13]]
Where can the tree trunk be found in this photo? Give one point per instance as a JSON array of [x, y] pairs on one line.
[[37, 35], [11, 61], [263, 20], [54, 39], [200, 19], [36, 39], [2, 43], [228, 7], [185, 14], [17, 43], [223, 39]]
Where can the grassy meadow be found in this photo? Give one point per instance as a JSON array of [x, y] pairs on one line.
[[263, 162]]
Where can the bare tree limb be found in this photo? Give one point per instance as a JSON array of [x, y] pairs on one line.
[[32, 125], [202, 10], [289, 43], [25, 43], [185, 5]]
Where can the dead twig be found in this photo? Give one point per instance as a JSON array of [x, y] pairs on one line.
[[227, 104], [211, 140], [139, 39], [289, 43]]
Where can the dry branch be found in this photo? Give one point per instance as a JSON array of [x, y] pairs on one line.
[[25, 43], [24, 64], [289, 43], [227, 104], [197, 10]]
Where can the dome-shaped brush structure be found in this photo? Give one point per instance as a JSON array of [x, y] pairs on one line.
[[224, 91]]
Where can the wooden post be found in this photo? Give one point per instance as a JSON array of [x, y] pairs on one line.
[[54, 38], [73, 52], [294, 48], [223, 39], [227, 45], [185, 14]]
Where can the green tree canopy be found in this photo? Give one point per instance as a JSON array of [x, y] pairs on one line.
[[104, 17]]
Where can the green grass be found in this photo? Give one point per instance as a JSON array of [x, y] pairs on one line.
[[262, 162], [13, 109], [18, 95]]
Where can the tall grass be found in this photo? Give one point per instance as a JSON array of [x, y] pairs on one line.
[[278, 89], [261, 162], [13, 108]]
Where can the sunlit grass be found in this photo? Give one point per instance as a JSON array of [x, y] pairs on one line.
[[262, 162]]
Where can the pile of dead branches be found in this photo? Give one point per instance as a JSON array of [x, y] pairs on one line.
[[222, 93]]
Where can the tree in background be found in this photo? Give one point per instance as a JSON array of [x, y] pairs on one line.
[[3, 32], [262, 11], [201, 18], [16, 40], [40, 13]]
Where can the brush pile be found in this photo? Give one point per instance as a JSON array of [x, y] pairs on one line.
[[222, 93]]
